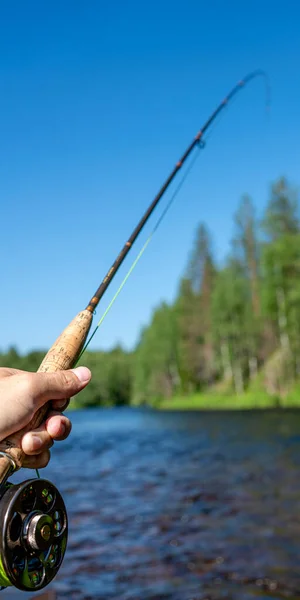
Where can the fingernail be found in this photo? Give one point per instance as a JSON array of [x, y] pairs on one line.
[[36, 442], [83, 374]]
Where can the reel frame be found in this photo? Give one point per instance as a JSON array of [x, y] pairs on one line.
[[33, 533]]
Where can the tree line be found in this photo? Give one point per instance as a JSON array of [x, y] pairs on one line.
[[230, 328]]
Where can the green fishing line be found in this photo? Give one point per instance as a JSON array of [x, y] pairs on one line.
[[210, 124], [141, 252]]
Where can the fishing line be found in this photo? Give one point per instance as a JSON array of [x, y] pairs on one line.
[[200, 146], [146, 244]]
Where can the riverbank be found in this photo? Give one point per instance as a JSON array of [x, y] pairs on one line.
[[247, 401]]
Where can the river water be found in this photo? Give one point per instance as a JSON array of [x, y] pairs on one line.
[[181, 506]]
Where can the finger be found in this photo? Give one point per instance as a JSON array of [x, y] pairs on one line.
[[59, 385], [60, 405], [58, 426], [36, 441], [37, 462]]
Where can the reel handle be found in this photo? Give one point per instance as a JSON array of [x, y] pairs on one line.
[[62, 355]]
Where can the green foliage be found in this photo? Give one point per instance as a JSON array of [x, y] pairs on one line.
[[281, 293], [209, 401], [228, 323], [156, 371], [28, 362], [111, 383], [281, 215]]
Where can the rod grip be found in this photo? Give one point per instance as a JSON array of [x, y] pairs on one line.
[[62, 355]]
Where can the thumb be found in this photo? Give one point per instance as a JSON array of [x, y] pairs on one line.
[[60, 384]]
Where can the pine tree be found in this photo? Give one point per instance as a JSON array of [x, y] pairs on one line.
[[281, 215], [246, 244], [201, 273]]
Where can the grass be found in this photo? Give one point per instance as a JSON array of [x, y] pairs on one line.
[[210, 401]]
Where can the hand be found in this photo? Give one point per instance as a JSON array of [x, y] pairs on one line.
[[23, 393]]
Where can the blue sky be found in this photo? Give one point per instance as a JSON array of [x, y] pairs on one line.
[[98, 100]]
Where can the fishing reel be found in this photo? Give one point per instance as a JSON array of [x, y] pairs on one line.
[[33, 534]]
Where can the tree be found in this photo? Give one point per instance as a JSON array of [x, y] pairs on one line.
[[201, 273], [246, 246], [231, 306], [281, 215], [200, 270], [156, 372], [111, 383], [189, 338], [281, 289]]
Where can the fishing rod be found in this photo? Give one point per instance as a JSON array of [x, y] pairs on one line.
[[33, 516]]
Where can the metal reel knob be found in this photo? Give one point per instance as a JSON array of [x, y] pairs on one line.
[[33, 534]]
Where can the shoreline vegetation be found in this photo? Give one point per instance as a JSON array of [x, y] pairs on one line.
[[213, 402], [231, 337]]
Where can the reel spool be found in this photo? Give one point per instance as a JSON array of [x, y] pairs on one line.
[[33, 534]]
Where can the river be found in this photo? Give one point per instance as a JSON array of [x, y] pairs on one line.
[[181, 506]]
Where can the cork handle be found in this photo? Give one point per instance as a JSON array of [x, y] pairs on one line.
[[62, 355]]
